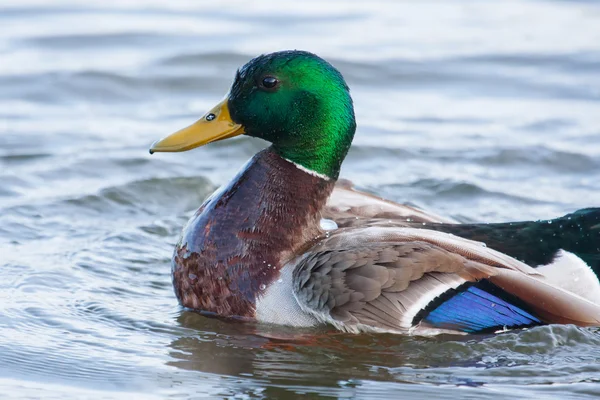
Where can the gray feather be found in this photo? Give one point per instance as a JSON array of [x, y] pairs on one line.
[[383, 277]]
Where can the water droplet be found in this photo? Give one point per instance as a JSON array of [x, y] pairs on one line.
[[279, 280], [328, 224], [262, 286]]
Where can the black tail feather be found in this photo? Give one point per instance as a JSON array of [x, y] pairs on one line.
[[537, 242]]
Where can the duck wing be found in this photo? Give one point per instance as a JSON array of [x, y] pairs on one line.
[[350, 207], [537, 243], [407, 280]]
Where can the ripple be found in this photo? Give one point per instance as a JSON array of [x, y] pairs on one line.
[[23, 158], [580, 62], [487, 114], [87, 41], [533, 157], [509, 358], [454, 190], [149, 196], [200, 60]]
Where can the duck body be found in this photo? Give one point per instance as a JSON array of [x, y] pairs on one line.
[[256, 249]]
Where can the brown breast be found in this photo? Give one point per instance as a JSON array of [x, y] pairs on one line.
[[235, 244]]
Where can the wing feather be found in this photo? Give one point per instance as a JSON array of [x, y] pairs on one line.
[[382, 278]]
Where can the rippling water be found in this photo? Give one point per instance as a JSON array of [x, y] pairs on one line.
[[477, 110]]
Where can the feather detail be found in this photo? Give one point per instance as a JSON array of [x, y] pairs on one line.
[[478, 308], [401, 279]]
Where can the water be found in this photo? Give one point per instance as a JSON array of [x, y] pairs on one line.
[[476, 110]]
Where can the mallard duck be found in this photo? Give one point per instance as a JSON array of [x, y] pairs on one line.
[[282, 243]]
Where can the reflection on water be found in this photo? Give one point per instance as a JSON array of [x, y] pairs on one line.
[[477, 110], [289, 359]]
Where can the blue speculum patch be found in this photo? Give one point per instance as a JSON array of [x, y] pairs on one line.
[[477, 310]]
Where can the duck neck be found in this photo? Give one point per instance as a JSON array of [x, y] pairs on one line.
[[320, 148], [236, 243]]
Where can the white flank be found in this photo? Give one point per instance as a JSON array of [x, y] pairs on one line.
[[572, 274], [278, 305]]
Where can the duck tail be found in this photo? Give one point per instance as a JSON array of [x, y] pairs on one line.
[[579, 233]]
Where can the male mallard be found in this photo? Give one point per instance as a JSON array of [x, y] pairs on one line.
[[256, 248]]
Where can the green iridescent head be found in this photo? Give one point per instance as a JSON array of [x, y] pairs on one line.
[[293, 99], [300, 103]]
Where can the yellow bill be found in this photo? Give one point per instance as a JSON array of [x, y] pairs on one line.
[[213, 126]]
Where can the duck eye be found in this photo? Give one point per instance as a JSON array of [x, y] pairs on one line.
[[269, 82]]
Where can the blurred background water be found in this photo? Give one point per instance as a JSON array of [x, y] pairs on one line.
[[476, 110]]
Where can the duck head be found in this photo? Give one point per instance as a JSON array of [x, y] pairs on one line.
[[293, 99]]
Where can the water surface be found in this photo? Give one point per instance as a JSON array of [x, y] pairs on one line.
[[486, 111]]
